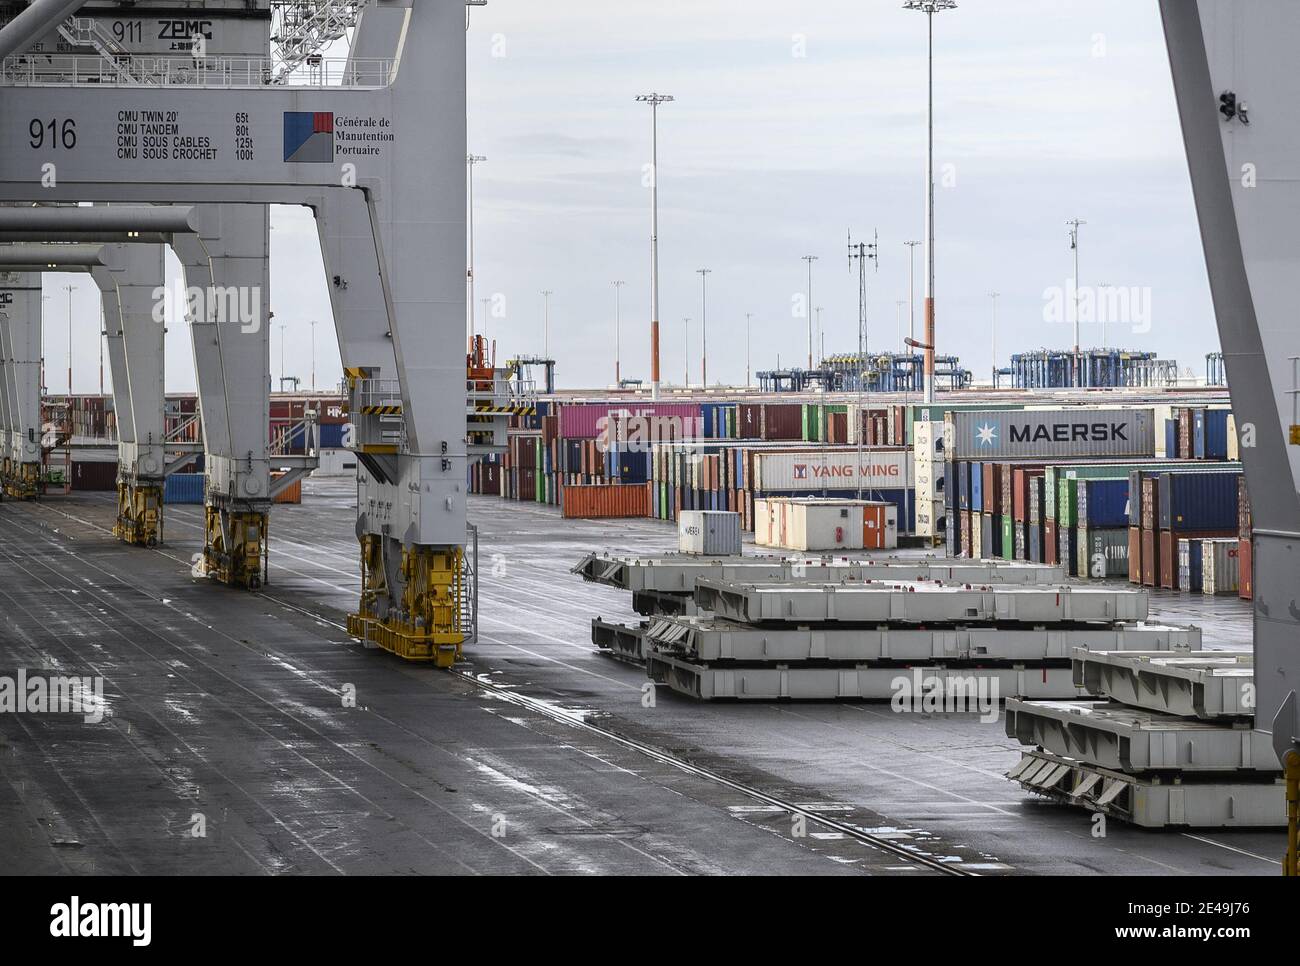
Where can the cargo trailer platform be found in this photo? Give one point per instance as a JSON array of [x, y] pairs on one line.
[[945, 687], [1135, 741], [704, 639], [918, 602], [1151, 802], [1203, 684]]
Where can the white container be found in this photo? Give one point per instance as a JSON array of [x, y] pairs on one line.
[[929, 439], [1220, 573], [837, 468], [810, 524], [763, 514], [715, 533], [930, 519]]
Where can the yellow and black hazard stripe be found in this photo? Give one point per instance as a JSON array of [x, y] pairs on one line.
[[505, 410], [381, 410]]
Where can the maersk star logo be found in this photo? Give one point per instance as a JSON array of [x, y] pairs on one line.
[[986, 435]]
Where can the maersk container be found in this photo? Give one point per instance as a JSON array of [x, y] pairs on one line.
[[1101, 504], [1198, 501], [713, 533], [1054, 433]]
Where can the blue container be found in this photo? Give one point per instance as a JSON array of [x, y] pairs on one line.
[[1103, 503], [963, 485], [1171, 439], [331, 435], [1199, 501], [1211, 430], [183, 488], [977, 487], [1195, 568]]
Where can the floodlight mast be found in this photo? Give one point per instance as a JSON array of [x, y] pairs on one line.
[[654, 100], [929, 8]]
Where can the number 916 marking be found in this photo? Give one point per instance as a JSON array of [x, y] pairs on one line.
[[52, 133]]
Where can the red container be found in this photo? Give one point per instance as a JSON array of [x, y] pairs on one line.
[[783, 421], [1246, 575], [587, 420], [1150, 558], [749, 421], [608, 500], [1135, 555], [991, 491], [1244, 524], [97, 476], [1150, 499], [1051, 552], [1168, 560]]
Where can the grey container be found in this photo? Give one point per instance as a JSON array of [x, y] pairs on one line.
[[1053, 434], [713, 533]]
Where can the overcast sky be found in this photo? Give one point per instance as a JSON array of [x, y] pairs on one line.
[[793, 124]]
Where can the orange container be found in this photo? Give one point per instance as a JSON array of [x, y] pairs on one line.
[[290, 494], [609, 500], [873, 527]]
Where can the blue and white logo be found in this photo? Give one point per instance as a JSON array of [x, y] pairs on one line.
[[986, 435]]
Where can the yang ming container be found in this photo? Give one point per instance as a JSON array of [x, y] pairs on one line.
[[715, 533], [1053, 433]]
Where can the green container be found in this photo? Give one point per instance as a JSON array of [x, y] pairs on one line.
[[1067, 492], [1008, 537]]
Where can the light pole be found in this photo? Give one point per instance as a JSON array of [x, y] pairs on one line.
[[546, 322], [898, 321], [993, 329], [929, 8], [68, 289], [654, 100], [808, 308], [749, 320], [704, 325], [283, 326], [1073, 225], [485, 303], [470, 161], [821, 337], [686, 354], [618, 333], [44, 331], [911, 298], [313, 355]]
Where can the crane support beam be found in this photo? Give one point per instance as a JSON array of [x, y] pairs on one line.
[[39, 19], [1236, 93], [74, 218], [20, 384]]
